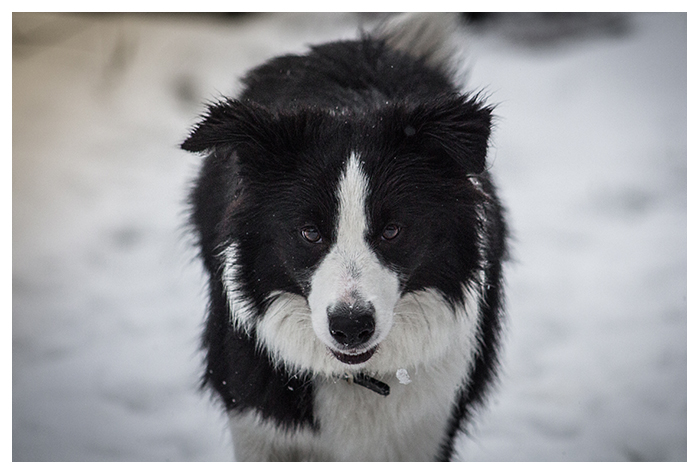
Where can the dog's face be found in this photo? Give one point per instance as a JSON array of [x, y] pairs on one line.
[[352, 293], [341, 236]]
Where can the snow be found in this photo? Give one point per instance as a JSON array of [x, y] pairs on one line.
[[403, 376], [589, 152]]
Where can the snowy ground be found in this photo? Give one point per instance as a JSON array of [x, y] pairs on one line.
[[589, 152]]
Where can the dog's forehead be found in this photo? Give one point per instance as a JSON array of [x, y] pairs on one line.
[[352, 189], [350, 214]]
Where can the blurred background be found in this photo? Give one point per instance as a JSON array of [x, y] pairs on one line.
[[589, 151]]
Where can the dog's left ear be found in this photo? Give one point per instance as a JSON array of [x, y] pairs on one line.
[[456, 128]]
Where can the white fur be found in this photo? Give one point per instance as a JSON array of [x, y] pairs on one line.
[[355, 423], [351, 273], [241, 316], [425, 329]]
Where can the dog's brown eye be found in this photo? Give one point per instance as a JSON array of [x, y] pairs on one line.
[[390, 232], [311, 234]]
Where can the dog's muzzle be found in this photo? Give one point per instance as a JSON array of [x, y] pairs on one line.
[[352, 326]]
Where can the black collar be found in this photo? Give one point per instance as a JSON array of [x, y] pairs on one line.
[[368, 382]]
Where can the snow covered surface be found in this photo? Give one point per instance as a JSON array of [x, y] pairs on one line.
[[589, 152]]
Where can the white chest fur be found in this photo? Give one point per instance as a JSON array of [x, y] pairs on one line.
[[355, 423]]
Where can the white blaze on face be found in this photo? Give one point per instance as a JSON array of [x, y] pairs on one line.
[[351, 273]]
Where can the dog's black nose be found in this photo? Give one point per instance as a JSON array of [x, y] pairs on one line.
[[351, 326]]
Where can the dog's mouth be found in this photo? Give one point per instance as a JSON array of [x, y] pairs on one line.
[[353, 358]]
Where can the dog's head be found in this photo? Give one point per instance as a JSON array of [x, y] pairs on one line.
[[333, 231]]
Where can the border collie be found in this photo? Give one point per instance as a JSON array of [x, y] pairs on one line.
[[353, 241]]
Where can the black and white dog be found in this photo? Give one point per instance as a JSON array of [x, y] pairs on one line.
[[354, 243]]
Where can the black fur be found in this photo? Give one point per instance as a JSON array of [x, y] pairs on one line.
[[278, 148]]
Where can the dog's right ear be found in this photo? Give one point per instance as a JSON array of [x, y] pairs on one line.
[[229, 123], [263, 139]]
